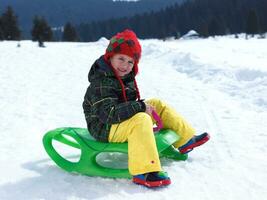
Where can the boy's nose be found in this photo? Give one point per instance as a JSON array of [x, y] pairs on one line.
[[125, 67]]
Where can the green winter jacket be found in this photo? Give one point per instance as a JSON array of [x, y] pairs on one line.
[[104, 104]]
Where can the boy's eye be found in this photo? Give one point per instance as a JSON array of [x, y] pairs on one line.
[[123, 60]]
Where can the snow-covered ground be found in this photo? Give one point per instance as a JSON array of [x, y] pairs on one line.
[[218, 84]]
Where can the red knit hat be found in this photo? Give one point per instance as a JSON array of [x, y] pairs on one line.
[[126, 43]]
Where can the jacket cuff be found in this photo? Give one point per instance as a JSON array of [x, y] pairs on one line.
[[143, 105]]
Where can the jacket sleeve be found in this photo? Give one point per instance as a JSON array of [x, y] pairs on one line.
[[109, 109]]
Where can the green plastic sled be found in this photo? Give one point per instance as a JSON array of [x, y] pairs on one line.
[[90, 148]]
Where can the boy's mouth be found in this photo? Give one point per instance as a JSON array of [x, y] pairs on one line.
[[122, 70]]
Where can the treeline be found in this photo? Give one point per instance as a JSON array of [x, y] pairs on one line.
[[41, 31], [58, 12], [207, 17]]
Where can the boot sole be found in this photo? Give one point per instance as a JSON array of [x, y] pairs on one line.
[[152, 184], [196, 144]]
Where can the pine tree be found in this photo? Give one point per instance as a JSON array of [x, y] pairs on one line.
[[204, 30], [1, 30], [252, 25], [213, 27], [9, 25], [41, 31], [69, 33], [216, 27]]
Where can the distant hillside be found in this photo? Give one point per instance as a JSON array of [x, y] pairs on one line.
[[58, 12], [207, 17]]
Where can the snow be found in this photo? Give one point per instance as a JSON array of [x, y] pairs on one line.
[[218, 84], [190, 35]]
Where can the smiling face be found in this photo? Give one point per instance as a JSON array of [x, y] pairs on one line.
[[123, 64]]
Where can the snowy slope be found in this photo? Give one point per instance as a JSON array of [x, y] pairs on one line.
[[219, 85]]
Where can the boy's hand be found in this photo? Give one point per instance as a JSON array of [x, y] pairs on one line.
[[149, 109]]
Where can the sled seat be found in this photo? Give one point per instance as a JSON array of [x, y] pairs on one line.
[[80, 138]]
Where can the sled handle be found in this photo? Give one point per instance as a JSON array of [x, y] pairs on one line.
[[158, 121]]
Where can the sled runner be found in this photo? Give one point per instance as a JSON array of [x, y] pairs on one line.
[[80, 138]]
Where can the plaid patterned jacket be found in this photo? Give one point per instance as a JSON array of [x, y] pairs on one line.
[[103, 103]]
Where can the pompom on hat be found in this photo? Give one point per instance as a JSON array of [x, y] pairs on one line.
[[125, 43]]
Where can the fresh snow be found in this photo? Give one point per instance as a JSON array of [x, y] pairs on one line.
[[218, 84]]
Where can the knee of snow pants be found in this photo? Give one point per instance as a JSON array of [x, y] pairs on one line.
[[143, 155], [173, 120]]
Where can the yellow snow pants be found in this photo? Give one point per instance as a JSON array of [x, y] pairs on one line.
[[138, 132]]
